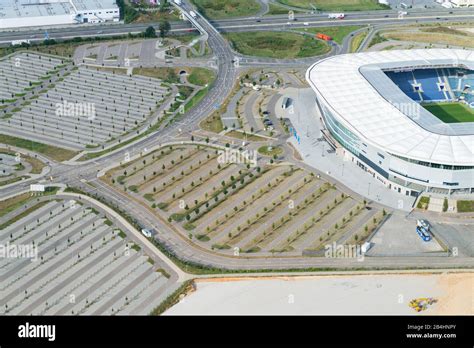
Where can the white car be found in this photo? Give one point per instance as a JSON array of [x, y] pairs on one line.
[[147, 233], [305, 23], [288, 23], [423, 223]]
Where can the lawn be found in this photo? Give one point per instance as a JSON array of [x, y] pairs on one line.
[[336, 5], [337, 33], [281, 45], [451, 112], [201, 76], [197, 76], [277, 10], [56, 153], [435, 36], [60, 49], [266, 151], [169, 75], [226, 8], [423, 203], [357, 41], [465, 206]]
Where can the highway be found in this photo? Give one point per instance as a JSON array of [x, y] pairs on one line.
[[75, 175], [277, 22]]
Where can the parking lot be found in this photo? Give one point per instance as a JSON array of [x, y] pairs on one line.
[[15, 166], [398, 237], [252, 108], [82, 264], [86, 108], [234, 207], [21, 72]]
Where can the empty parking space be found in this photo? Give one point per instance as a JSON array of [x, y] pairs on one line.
[[80, 264], [87, 108], [230, 205], [398, 237]]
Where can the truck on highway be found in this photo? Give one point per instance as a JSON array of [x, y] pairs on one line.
[[177, 2], [423, 233], [336, 16], [323, 37], [193, 14], [20, 42]]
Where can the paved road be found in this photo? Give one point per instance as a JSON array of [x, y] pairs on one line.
[[277, 22], [226, 77]]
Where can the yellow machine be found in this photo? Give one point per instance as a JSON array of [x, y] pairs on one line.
[[421, 304]]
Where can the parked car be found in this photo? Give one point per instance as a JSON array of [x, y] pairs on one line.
[[423, 223], [423, 233]]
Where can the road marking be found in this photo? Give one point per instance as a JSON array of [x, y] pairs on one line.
[[333, 21]]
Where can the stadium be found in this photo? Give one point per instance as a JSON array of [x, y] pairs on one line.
[[406, 117]]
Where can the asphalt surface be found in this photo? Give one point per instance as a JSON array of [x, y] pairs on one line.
[[75, 175], [277, 22]]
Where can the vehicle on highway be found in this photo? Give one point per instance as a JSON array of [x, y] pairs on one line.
[[259, 20], [323, 37], [193, 14], [386, 16], [423, 223], [423, 233], [336, 16], [306, 24], [288, 23], [100, 32], [20, 42], [177, 2]]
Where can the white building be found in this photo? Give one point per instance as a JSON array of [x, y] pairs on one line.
[[371, 110], [35, 13], [462, 3]]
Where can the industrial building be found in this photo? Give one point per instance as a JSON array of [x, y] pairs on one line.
[[374, 111], [35, 13]]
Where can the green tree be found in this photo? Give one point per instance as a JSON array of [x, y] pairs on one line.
[[150, 32], [164, 28]]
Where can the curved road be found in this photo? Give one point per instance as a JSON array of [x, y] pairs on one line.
[[174, 241]]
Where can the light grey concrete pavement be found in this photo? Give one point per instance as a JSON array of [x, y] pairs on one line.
[[314, 152]]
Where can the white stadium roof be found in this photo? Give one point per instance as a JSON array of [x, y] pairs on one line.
[[356, 89]]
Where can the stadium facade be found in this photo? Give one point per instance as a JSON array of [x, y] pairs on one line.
[[371, 111]]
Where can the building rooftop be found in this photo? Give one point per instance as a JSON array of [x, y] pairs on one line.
[[17, 9], [82, 5], [355, 88], [33, 8]]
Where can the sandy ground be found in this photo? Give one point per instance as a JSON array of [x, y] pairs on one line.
[[457, 294], [387, 294]]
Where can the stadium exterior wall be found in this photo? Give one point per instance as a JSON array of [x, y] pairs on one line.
[[396, 173]]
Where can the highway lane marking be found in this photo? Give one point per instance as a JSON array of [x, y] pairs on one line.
[[341, 21], [389, 19], [96, 35]]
